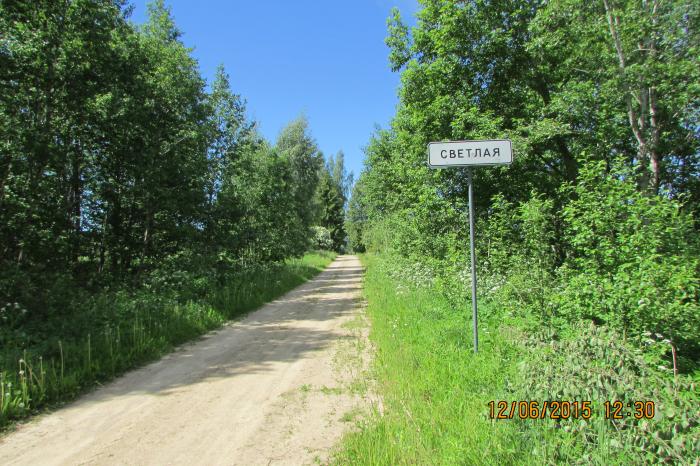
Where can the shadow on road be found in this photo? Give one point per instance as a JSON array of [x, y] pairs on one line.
[[283, 331]]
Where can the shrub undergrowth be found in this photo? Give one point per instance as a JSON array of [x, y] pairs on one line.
[[594, 363], [55, 359], [436, 392]]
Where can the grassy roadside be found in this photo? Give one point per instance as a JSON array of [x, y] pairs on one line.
[[435, 390], [115, 332]]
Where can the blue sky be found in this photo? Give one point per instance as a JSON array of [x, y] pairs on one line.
[[326, 59]]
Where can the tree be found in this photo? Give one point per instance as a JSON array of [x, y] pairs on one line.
[[229, 171], [332, 215], [298, 148], [114, 160], [173, 165], [356, 218], [639, 58], [601, 102], [341, 178]]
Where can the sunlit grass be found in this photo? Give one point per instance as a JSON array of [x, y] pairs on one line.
[[435, 390]]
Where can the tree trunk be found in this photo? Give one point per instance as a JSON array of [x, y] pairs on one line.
[[75, 201], [643, 118]]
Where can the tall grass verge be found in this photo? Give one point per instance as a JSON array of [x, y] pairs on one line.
[[435, 390], [54, 361]]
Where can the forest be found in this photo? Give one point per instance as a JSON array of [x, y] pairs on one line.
[[588, 245], [139, 205]]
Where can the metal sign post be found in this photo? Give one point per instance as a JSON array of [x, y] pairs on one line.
[[468, 154], [473, 260]]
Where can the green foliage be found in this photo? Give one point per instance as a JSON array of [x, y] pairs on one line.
[[633, 260], [595, 219], [296, 147], [341, 178], [555, 242], [115, 158], [322, 238], [355, 219], [397, 40], [332, 213], [518, 258], [595, 364], [136, 209]]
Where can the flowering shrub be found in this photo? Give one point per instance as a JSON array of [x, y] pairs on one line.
[[322, 238]]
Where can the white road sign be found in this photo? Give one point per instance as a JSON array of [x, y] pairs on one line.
[[469, 153]]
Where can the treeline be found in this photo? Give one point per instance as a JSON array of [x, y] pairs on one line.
[[116, 159], [601, 103], [597, 218], [139, 207], [332, 198]]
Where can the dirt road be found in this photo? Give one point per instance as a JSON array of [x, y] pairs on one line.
[[268, 389]]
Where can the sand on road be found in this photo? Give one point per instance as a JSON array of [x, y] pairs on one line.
[[267, 389]]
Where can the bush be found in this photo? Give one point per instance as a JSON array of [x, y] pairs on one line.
[[625, 259], [322, 238], [633, 260], [518, 258], [595, 364]]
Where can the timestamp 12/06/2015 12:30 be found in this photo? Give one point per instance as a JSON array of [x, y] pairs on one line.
[[556, 409]]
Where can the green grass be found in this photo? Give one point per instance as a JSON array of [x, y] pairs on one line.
[[435, 391], [45, 364]]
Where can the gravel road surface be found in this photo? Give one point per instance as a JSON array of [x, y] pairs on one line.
[[267, 389]]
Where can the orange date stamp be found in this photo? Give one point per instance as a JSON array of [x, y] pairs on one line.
[[540, 410], [558, 409]]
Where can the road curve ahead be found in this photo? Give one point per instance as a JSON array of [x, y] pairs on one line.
[[262, 390]]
